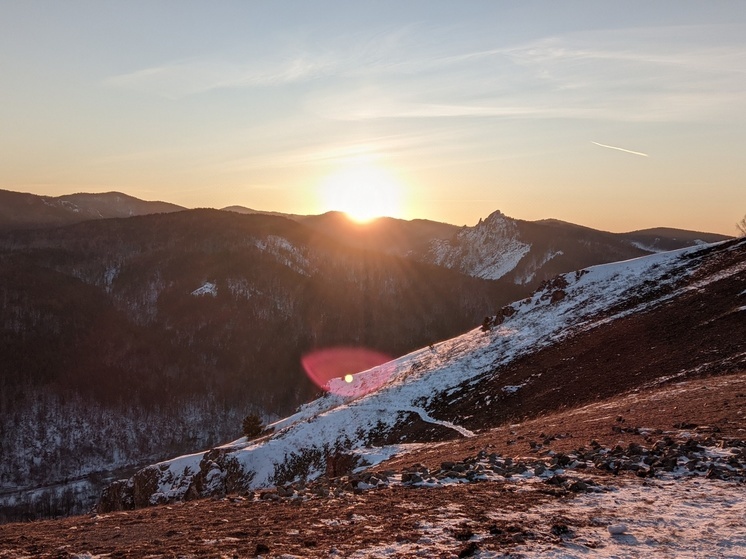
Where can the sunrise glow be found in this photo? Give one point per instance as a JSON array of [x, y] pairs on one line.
[[363, 191]]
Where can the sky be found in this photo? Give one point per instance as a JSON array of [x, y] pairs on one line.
[[617, 116]]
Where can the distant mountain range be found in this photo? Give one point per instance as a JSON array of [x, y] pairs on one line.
[[500, 247], [29, 211], [496, 247]]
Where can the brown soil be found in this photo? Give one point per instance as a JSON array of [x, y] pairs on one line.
[[320, 527], [706, 406]]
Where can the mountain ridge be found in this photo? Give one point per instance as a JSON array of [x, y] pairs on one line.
[[20, 210]]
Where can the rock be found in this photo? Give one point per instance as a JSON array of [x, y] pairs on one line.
[[617, 529], [464, 534], [556, 480], [557, 296], [560, 529], [579, 487], [286, 491], [411, 477], [561, 459], [117, 496], [470, 549]]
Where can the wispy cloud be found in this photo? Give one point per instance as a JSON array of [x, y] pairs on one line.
[[621, 149], [631, 75], [180, 79]]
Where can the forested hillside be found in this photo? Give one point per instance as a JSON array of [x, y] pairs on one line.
[[122, 326]]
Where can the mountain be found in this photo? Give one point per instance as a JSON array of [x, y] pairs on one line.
[[500, 247], [526, 252], [522, 252], [662, 239], [581, 337], [26, 211], [124, 341], [407, 238]]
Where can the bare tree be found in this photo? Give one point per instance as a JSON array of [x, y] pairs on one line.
[[741, 226]]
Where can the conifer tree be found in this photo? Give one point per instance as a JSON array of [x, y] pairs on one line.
[[253, 426]]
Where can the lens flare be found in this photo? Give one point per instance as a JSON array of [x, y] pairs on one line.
[[338, 369]]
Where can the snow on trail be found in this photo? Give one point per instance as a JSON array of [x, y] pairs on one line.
[[424, 416]]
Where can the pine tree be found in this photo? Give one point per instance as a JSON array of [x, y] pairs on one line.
[[253, 426]]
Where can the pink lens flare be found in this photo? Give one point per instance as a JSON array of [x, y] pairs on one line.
[[334, 369]]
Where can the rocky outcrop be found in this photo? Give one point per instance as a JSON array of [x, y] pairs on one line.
[[219, 474], [489, 250], [669, 456]]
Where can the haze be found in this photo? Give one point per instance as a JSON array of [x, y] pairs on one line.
[[615, 116]]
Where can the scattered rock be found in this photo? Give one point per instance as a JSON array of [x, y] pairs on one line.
[[560, 529], [470, 549]]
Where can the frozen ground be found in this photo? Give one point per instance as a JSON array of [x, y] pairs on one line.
[[691, 518]]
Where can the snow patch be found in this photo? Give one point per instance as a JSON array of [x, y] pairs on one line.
[[208, 288], [285, 253], [512, 389], [647, 248], [110, 275]]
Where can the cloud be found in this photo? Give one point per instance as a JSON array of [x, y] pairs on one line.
[[180, 79], [639, 74]]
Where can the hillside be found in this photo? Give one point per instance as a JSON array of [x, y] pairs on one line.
[[125, 341], [19, 210], [605, 421], [581, 337]]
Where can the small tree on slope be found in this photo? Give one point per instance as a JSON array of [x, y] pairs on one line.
[[252, 426]]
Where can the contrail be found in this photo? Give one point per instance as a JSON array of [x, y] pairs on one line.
[[622, 149]]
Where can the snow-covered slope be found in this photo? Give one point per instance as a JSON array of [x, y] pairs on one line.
[[347, 421]]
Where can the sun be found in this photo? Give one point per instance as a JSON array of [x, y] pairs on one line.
[[363, 192]]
